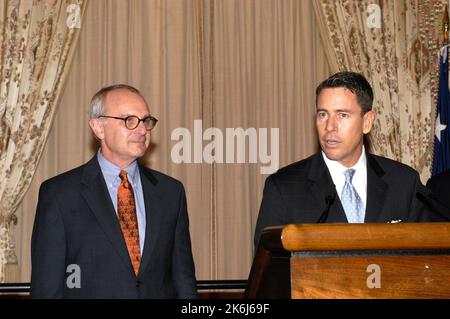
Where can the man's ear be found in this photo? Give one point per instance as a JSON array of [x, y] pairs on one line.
[[97, 127], [368, 119]]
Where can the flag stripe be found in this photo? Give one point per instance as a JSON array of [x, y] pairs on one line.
[[441, 159]]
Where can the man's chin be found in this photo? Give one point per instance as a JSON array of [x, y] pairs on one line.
[[138, 152], [333, 156]]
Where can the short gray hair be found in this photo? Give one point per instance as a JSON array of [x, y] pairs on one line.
[[97, 101]]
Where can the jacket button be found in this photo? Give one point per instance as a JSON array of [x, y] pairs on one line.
[[138, 283]]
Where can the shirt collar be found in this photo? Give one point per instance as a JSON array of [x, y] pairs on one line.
[[112, 170], [361, 164]]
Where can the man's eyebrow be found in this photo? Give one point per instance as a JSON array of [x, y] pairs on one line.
[[129, 114], [334, 111]]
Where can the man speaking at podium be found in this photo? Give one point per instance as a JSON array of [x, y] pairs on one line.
[[113, 228], [342, 182]]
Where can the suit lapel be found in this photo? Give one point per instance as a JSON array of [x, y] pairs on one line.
[[376, 190], [153, 211], [321, 185], [97, 197]]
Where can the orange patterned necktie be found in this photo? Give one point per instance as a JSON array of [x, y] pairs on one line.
[[126, 209]]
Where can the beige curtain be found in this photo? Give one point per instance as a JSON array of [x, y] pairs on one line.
[[37, 39], [267, 61], [395, 44], [229, 64]]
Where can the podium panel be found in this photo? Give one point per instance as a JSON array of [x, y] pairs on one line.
[[387, 277], [404, 260]]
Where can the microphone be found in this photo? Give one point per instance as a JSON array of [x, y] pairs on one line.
[[426, 197], [330, 196]]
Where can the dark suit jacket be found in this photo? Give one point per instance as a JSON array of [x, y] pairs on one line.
[[76, 224], [440, 187], [296, 194]]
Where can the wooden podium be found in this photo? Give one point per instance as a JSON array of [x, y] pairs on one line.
[[403, 260]]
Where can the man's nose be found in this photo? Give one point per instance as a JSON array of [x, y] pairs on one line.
[[141, 129], [331, 124]]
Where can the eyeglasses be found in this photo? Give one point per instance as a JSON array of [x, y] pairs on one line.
[[132, 121]]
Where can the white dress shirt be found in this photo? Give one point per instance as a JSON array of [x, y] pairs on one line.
[[359, 180]]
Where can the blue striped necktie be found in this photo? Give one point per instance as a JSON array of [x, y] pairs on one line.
[[351, 202]]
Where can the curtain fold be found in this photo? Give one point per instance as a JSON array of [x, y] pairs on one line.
[[394, 44], [37, 41]]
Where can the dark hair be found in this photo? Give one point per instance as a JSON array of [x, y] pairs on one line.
[[97, 101], [354, 82]]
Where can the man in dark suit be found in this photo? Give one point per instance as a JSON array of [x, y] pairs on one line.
[[113, 228], [440, 187], [343, 182]]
